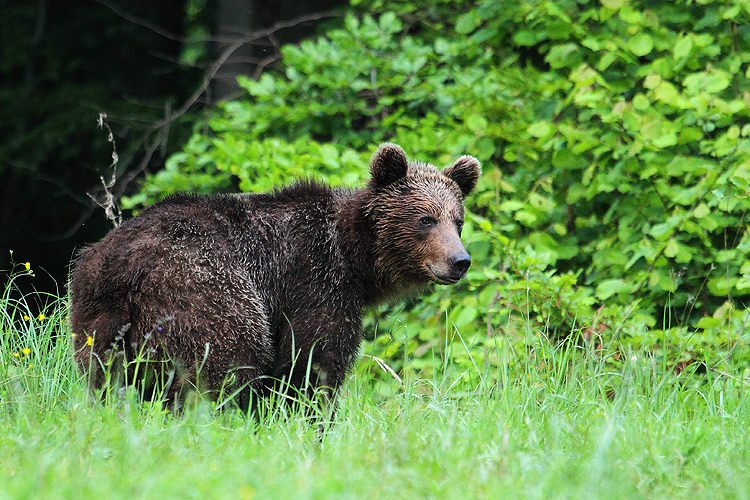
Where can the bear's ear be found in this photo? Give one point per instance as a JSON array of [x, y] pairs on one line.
[[465, 172], [388, 165]]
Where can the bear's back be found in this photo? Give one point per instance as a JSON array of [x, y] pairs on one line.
[[269, 239]]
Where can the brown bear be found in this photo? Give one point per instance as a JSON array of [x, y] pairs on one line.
[[253, 292]]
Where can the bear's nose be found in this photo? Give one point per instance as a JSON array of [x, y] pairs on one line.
[[460, 263]]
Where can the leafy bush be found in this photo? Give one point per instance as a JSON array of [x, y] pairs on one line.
[[614, 140]]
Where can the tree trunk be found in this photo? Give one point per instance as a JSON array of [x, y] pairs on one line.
[[235, 19]]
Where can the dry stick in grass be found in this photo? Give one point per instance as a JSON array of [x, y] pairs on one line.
[[384, 366]]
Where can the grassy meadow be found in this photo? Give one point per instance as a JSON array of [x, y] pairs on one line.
[[575, 426]]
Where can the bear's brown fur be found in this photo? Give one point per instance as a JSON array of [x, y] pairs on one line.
[[255, 289]]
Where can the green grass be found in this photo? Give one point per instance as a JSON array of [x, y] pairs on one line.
[[571, 427]]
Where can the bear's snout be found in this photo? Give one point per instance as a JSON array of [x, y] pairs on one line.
[[446, 260], [459, 264]]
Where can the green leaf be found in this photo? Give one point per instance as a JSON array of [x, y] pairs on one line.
[[715, 83], [708, 322], [666, 93], [525, 38], [466, 316], [526, 218], [640, 44], [701, 211], [666, 140], [711, 83], [689, 164], [607, 288], [390, 23], [541, 129], [567, 159], [467, 23], [720, 286], [477, 123], [640, 102], [671, 249], [682, 48], [651, 81], [743, 284], [565, 55]]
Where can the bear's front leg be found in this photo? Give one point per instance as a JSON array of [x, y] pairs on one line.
[[315, 352]]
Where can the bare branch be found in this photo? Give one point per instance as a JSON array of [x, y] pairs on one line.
[[245, 39], [116, 187]]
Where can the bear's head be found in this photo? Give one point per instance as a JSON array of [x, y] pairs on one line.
[[417, 213]]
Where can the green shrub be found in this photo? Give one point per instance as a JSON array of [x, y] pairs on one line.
[[614, 140]]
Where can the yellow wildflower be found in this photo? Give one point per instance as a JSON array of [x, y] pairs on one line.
[[15, 355], [26, 317], [90, 340], [41, 316], [26, 351], [246, 492], [28, 265], [72, 335]]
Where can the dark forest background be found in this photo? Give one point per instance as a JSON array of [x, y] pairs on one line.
[[153, 68], [614, 138]]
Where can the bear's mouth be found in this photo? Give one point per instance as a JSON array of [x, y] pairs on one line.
[[447, 281], [444, 279]]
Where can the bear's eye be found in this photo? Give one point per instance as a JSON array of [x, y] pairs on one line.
[[427, 222], [459, 225]]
